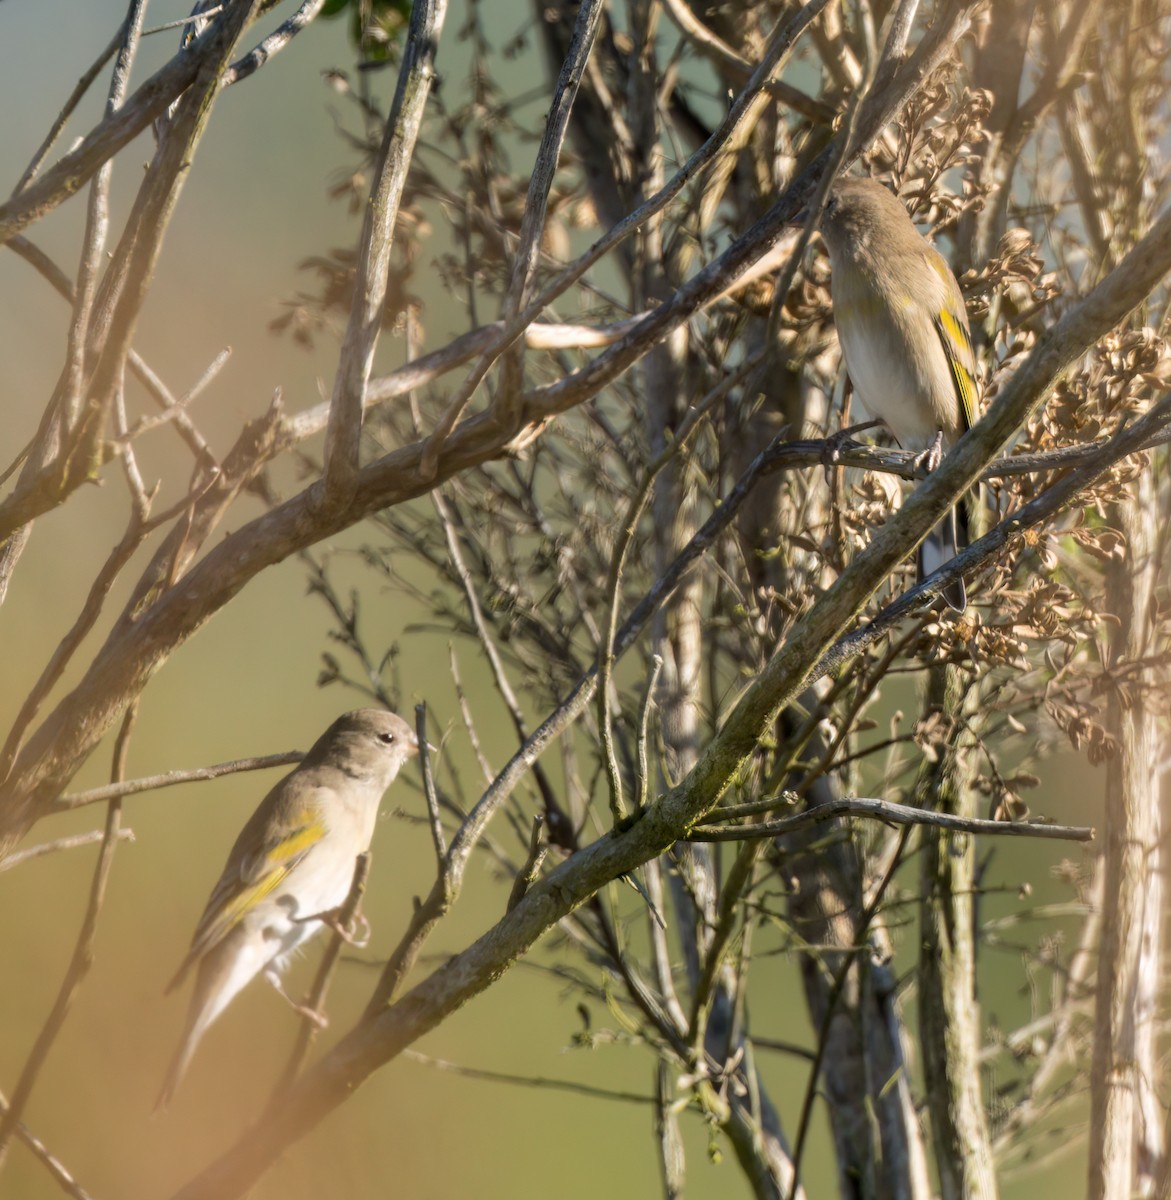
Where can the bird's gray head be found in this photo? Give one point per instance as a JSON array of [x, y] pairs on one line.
[[857, 210], [368, 744]]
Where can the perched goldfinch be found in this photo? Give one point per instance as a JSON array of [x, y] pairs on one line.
[[904, 335], [292, 865]]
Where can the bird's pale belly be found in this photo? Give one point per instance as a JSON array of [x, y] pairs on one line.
[[889, 388]]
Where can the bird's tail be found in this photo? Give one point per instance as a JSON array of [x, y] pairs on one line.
[[177, 1070], [940, 546], [200, 1015]]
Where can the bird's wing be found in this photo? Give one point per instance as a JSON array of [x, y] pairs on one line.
[[261, 859], [951, 324]]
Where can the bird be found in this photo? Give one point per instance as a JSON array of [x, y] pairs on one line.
[[904, 335], [290, 869]]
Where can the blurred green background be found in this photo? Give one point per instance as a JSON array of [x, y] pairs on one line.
[[255, 205]]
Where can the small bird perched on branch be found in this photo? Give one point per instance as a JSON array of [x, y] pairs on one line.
[[904, 335], [291, 867]]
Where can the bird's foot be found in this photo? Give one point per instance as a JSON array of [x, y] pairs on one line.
[[835, 443], [311, 1014], [932, 456], [354, 933], [302, 1010]]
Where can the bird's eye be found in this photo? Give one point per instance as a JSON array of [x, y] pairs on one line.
[[386, 738]]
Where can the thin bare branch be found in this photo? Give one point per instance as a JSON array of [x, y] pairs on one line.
[[83, 953], [205, 13], [124, 287], [75, 97], [848, 964], [524, 263], [150, 783], [889, 813], [532, 864], [154, 386], [643, 783], [72, 841], [437, 837], [75, 169], [61, 1175], [60, 416], [121, 554], [344, 433], [273, 44], [532, 1081], [490, 341]]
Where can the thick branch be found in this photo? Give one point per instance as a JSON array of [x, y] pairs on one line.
[[949, 1015], [1126, 1134]]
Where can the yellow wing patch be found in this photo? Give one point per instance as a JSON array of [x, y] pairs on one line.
[[229, 914], [257, 880], [957, 349], [955, 339]]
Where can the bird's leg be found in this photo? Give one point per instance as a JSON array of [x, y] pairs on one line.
[[932, 456], [835, 443], [355, 933], [274, 978]]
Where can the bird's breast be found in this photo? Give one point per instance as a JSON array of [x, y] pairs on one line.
[[898, 367]]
